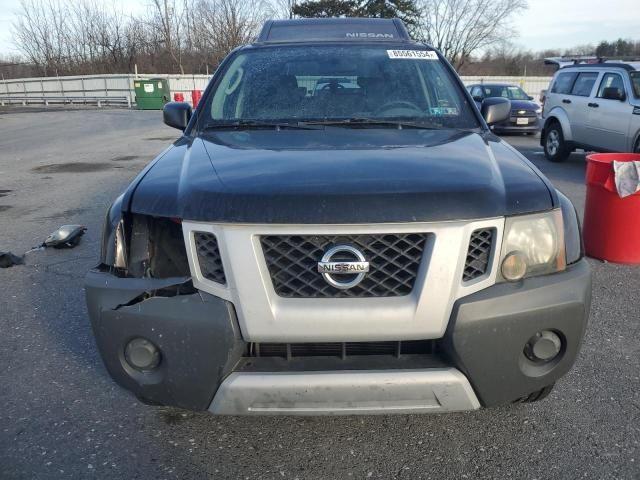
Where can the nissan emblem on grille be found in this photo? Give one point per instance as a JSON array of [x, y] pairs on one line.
[[334, 263], [394, 261]]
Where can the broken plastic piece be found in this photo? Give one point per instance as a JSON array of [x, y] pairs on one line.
[[67, 236], [8, 259]]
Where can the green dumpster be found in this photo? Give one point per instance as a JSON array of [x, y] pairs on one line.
[[152, 93]]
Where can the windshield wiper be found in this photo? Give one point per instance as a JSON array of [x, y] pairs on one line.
[[258, 124], [359, 121]]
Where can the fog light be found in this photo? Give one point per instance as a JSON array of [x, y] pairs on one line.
[[514, 266], [141, 354], [544, 346]]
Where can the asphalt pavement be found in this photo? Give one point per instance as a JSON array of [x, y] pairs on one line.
[[61, 416]]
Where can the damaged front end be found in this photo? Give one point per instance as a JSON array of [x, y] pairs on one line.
[[142, 246], [145, 314]]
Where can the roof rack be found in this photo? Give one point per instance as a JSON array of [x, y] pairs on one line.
[[628, 63], [334, 29], [610, 64]]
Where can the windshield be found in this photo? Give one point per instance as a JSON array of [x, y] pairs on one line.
[[510, 92], [332, 83], [635, 83]]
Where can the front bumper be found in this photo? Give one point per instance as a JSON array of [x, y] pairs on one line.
[[204, 359], [512, 127]]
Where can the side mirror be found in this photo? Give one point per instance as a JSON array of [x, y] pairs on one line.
[[613, 93], [543, 96], [529, 97], [477, 98], [177, 114], [495, 110]]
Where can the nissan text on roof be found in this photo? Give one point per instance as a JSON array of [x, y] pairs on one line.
[[368, 246]]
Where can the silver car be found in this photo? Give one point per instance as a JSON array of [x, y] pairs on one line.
[[593, 107]]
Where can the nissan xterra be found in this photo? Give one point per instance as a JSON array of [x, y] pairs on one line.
[[338, 231]]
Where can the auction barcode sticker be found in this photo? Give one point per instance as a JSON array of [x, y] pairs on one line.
[[413, 54]]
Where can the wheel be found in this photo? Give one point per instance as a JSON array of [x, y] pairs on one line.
[[636, 149], [537, 395], [555, 148]]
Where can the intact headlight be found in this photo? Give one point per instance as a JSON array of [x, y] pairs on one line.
[[532, 245]]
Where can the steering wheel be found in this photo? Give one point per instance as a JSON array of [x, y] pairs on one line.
[[331, 85], [398, 104]]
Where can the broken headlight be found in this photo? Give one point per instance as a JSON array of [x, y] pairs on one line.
[[111, 224], [120, 254], [143, 246], [532, 245]]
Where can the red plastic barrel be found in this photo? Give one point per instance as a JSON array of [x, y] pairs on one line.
[[178, 97], [611, 223], [195, 97]]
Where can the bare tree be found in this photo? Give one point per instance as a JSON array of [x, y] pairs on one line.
[[89, 36], [282, 8], [167, 19], [459, 28], [227, 24], [37, 30]]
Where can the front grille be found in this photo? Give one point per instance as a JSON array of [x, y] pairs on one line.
[[394, 260], [209, 257], [478, 254], [342, 349], [527, 113]]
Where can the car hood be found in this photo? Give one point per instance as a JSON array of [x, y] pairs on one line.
[[524, 105], [340, 176]]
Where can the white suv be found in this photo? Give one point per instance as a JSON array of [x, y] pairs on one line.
[[593, 107]]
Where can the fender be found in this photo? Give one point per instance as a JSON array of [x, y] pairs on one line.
[[560, 115]]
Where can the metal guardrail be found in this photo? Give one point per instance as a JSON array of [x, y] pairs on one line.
[[119, 88], [111, 88], [64, 100]]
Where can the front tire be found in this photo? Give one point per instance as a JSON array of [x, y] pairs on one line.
[[555, 148]]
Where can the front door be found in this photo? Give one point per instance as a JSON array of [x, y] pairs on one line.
[[608, 120], [581, 93]]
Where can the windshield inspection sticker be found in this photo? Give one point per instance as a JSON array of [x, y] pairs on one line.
[[443, 111], [413, 54]]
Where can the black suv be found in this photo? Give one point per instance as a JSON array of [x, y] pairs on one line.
[[338, 231]]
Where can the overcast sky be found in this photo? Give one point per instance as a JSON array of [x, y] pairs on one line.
[[546, 24]]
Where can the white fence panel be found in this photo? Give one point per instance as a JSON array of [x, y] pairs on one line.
[[120, 87], [531, 85]]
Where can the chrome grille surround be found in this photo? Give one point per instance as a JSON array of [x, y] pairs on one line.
[[394, 261], [265, 316]]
